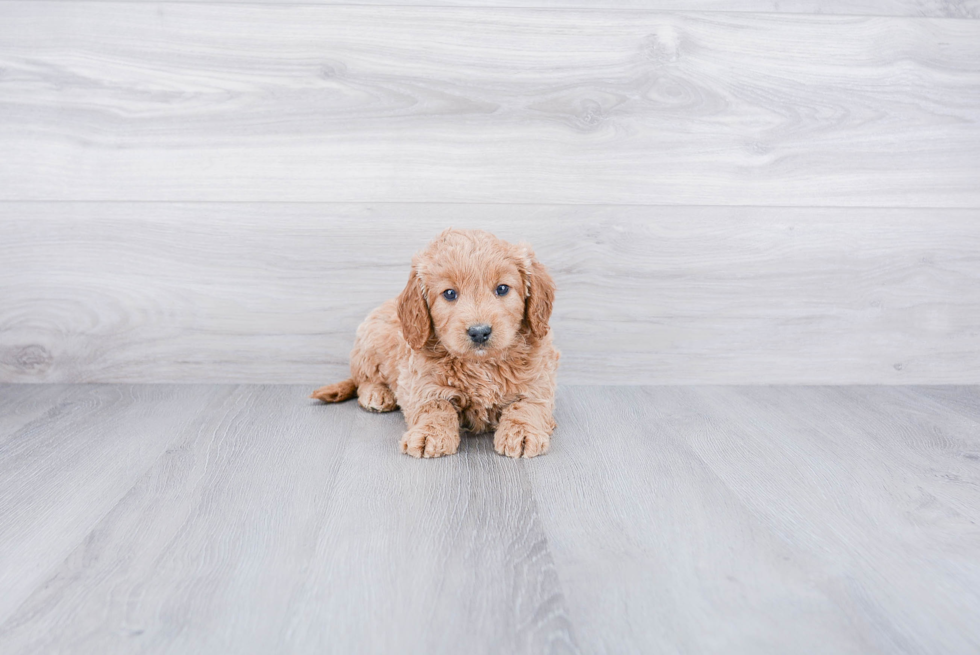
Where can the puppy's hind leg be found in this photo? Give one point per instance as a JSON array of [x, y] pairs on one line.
[[376, 397]]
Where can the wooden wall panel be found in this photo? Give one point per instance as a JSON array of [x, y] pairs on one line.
[[266, 292], [923, 8], [201, 102], [220, 192]]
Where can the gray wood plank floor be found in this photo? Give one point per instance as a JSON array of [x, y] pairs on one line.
[[247, 519]]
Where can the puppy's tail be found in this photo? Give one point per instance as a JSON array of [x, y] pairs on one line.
[[337, 392]]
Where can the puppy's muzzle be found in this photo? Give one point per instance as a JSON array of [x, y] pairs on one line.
[[479, 334]]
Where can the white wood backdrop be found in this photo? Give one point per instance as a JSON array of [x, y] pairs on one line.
[[407, 104], [230, 292], [220, 192], [936, 8]]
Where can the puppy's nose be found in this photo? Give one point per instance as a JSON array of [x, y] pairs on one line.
[[479, 333]]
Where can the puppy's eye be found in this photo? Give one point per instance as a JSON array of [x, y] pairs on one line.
[[502, 289], [449, 294]]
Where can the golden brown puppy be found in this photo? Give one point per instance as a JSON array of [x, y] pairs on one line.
[[466, 345]]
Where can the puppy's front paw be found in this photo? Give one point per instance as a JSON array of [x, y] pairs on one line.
[[430, 441], [519, 440]]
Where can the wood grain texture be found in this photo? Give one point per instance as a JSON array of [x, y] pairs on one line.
[[428, 547], [764, 520], [21, 404], [922, 8], [965, 400], [665, 519], [280, 525], [859, 497], [114, 292], [135, 101], [63, 470]]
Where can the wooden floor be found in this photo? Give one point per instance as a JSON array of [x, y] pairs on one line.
[[248, 519]]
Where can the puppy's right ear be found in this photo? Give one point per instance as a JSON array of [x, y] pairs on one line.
[[413, 313]]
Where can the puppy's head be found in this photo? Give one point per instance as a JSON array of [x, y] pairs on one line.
[[475, 295]]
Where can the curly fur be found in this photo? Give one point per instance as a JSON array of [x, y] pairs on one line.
[[414, 352]]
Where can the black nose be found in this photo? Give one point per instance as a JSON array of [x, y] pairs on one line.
[[479, 333]]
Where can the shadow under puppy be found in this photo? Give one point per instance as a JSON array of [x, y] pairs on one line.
[[465, 346]]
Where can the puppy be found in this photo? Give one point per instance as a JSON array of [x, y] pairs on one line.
[[465, 346]]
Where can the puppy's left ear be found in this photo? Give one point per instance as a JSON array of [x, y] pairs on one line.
[[540, 297]]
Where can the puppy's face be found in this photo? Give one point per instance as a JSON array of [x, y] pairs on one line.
[[477, 307], [475, 294]]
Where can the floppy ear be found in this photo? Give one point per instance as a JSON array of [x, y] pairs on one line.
[[413, 313], [540, 298]]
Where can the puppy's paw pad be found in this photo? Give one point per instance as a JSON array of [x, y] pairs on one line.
[[376, 398], [515, 440], [429, 442]]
